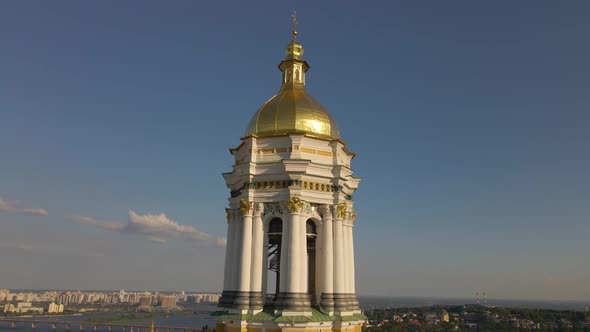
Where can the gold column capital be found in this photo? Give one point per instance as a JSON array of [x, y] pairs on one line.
[[341, 210], [294, 204], [246, 207]]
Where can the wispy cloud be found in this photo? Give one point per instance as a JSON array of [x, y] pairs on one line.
[[39, 212], [12, 207], [6, 206], [108, 225], [157, 227], [160, 228], [22, 247]]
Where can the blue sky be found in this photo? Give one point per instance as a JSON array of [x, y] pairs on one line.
[[470, 121]]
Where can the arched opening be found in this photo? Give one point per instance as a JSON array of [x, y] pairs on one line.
[[311, 234], [275, 234]]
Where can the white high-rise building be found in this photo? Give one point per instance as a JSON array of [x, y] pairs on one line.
[[4, 294], [290, 217], [55, 308]]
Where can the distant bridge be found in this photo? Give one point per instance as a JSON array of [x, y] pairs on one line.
[[12, 322]]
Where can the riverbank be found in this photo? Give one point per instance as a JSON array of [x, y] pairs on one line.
[[41, 316], [124, 318]]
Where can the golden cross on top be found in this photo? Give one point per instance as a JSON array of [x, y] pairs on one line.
[[294, 16]]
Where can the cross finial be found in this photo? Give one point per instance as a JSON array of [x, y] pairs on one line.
[[294, 16]]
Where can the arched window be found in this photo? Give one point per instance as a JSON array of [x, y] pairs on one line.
[[275, 226], [311, 235], [275, 235], [310, 227]]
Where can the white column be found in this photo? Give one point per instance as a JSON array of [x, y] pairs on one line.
[[285, 245], [346, 254], [236, 256], [352, 288], [227, 272], [246, 253], [294, 254], [257, 252], [339, 285], [327, 252], [304, 264], [265, 266], [319, 258]]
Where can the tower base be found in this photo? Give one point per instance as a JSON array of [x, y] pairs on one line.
[[268, 321], [241, 300]]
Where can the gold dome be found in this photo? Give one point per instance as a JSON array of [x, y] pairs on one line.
[[293, 110]]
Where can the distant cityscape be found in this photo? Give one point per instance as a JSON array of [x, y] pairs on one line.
[[55, 302], [474, 317], [383, 314]]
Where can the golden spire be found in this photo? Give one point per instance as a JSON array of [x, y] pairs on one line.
[[294, 50], [294, 16], [152, 329], [292, 110]]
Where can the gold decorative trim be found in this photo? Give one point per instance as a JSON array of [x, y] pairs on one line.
[[283, 184], [341, 210], [294, 204], [245, 206], [316, 152], [271, 151]]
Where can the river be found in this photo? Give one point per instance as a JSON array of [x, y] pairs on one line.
[[186, 319]]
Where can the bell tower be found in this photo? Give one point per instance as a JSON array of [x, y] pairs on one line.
[[289, 260]]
